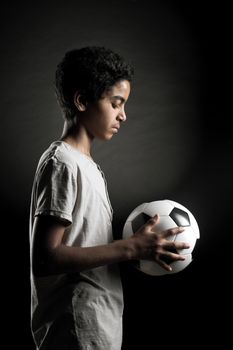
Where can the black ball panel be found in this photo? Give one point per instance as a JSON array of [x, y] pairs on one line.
[[139, 220], [180, 217]]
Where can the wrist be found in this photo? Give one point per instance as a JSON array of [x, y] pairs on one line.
[[127, 248]]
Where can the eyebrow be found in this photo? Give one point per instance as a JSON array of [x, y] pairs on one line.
[[118, 97]]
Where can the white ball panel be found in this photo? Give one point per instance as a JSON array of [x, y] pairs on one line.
[[152, 268], [194, 225], [162, 207], [166, 223], [178, 266], [127, 231], [186, 236]]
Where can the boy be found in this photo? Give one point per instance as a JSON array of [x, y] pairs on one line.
[[77, 300]]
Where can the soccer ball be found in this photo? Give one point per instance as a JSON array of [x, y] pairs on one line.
[[172, 214]]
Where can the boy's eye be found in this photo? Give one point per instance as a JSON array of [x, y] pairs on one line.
[[114, 105]]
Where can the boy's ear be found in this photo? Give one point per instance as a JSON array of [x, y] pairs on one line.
[[80, 102]]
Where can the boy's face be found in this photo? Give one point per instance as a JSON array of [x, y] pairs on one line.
[[102, 119]]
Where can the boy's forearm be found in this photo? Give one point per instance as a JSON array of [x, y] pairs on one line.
[[65, 259]]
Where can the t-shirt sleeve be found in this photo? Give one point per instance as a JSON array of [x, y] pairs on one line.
[[56, 191]]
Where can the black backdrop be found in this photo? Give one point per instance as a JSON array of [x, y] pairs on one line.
[[176, 143]]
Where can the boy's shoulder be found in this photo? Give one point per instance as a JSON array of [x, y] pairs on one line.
[[64, 154]]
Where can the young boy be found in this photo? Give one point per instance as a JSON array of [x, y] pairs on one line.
[[77, 299]]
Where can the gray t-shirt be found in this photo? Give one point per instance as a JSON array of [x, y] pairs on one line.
[[79, 310]]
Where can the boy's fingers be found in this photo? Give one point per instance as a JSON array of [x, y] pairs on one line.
[[173, 231], [153, 221]]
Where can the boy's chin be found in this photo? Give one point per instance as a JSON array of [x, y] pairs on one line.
[[105, 137]]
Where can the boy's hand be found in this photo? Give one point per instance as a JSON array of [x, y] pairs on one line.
[[152, 244]]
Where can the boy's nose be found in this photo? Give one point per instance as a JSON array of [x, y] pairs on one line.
[[122, 116]]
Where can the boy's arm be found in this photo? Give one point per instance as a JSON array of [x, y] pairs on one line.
[[51, 256]]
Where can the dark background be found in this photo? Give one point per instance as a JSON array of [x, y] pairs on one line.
[[176, 144]]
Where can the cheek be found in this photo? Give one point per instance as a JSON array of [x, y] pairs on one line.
[[106, 118], [103, 130], [101, 120]]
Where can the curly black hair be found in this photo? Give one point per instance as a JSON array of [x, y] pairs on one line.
[[89, 70]]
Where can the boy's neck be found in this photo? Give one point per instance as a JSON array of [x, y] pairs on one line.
[[77, 136]]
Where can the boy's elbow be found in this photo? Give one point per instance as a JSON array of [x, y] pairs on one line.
[[44, 265]]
